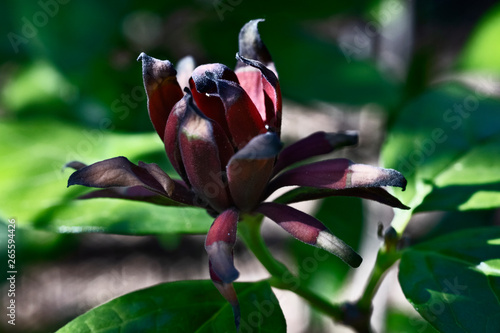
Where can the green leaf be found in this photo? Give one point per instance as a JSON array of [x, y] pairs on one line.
[[482, 51], [34, 187], [184, 306], [454, 281], [446, 144]]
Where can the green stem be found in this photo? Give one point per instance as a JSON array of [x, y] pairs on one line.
[[281, 277], [385, 259]]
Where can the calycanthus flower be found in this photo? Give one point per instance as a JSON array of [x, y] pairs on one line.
[[222, 135]]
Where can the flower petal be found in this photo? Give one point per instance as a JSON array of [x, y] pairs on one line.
[[219, 245], [242, 116], [205, 151], [318, 143], [338, 174], [204, 91], [251, 45], [263, 87], [309, 230], [311, 193], [228, 292], [249, 170], [162, 89], [135, 193], [171, 136], [120, 172]]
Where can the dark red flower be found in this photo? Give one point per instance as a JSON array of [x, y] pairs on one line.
[[222, 135]]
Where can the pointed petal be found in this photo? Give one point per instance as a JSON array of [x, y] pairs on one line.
[[219, 245], [318, 143], [263, 87], [135, 193], [311, 193], [120, 172], [249, 170], [77, 165], [204, 154], [171, 136], [251, 45], [338, 174], [242, 116], [185, 67], [162, 89], [228, 292], [309, 230]]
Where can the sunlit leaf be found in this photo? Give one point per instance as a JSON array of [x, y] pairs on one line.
[[184, 306], [34, 186], [454, 281], [446, 144], [482, 51]]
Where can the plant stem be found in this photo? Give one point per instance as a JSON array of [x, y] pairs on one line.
[[281, 277], [383, 262]]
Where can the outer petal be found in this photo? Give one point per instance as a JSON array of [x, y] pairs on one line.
[[205, 149], [318, 143], [309, 230], [338, 174], [162, 89], [249, 170], [219, 245], [251, 45], [171, 136], [120, 172], [228, 292], [135, 193], [311, 193]]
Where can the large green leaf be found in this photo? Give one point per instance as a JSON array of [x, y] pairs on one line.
[[446, 143], [34, 187], [184, 306], [454, 281]]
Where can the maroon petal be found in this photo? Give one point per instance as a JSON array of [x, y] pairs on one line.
[[263, 87], [338, 174], [242, 116], [135, 193], [249, 170], [251, 45], [219, 245], [204, 91], [171, 136], [311, 193], [77, 165], [318, 143], [162, 89], [205, 150], [228, 292], [120, 172], [309, 230]]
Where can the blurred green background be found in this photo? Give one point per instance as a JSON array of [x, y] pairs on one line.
[[70, 88]]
